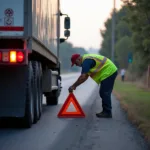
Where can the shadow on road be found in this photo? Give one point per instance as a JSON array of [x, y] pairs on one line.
[[10, 123]]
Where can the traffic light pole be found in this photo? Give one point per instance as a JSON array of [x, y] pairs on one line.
[[113, 32]]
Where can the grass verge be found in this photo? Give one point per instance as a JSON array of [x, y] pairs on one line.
[[136, 102]]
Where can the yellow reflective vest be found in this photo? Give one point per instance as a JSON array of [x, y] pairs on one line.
[[104, 67]]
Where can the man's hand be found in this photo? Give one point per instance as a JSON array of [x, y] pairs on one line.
[[81, 79], [71, 88]]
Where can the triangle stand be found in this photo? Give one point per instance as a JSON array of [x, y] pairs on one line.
[[63, 111]]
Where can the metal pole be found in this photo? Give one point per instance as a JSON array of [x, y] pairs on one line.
[[113, 32]]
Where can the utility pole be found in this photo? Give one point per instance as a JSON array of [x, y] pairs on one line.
[[113, 32]]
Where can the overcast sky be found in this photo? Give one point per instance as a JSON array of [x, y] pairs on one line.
[[87, 18]]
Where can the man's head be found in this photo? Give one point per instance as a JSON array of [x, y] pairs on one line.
[[76, 59]]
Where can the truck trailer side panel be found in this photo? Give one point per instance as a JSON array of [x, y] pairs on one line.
[[44, 22]]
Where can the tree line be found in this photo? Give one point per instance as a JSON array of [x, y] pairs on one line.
[[66, 51], [132, 30]]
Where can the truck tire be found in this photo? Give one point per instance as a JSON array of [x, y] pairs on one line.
[[36, 90], [59, 86], [52, 98], [29, 109], [40, 93]]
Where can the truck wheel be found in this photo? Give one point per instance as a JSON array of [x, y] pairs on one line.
[[40, 94], [29, 109], [36, 98]]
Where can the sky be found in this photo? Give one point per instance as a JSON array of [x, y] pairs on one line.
[[87, 18]]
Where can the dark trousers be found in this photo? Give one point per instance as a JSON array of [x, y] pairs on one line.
[[122, 77], [106, 90]]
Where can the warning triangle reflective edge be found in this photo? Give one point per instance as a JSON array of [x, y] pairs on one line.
[[63, 113]]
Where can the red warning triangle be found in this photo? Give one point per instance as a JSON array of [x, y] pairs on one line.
[[63, 111]]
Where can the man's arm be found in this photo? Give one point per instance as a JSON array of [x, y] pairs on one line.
[[82, 78], [87, 64]]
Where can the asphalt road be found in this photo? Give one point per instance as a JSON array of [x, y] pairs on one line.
[[89, 133]]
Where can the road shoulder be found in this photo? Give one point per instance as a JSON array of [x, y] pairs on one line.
[[106, 134]]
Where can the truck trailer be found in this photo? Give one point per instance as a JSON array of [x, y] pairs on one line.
[[29, 57]]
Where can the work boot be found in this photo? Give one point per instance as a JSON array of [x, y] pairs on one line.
[[104, 115]]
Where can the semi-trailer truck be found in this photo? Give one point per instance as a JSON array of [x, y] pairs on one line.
[[29, 57]]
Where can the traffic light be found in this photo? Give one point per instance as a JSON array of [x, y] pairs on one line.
[[130, 57]]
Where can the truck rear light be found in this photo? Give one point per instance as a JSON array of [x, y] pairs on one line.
[[20, 56], [5, 56], [16, 56], [13, 56]]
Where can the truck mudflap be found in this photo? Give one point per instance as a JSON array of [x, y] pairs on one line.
[[13, 90]]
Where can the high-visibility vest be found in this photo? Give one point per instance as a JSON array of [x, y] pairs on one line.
[[104, 67]]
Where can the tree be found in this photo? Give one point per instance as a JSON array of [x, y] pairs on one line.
[[123, 47], [66, 50], [122, 40], [138, 18]]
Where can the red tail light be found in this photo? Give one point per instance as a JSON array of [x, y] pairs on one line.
[[20, 56]]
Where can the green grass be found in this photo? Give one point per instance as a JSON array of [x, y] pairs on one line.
[[136, 102]]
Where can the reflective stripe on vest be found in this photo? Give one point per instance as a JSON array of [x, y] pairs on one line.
[[102, 62]]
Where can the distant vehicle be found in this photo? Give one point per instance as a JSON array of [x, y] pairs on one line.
[[29, 57]]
